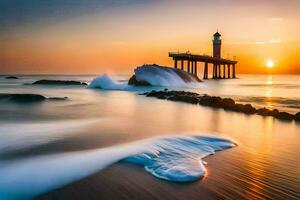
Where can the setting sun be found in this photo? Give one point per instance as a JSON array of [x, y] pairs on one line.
[[270, 64]]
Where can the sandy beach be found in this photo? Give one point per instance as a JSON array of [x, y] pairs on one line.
[[127, 181]]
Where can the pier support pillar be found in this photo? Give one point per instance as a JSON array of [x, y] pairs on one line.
[[214, 71], [188, 69], [224, 71], [228, 71], [192, 70], [205, 75], [233, 71], [182, 65], [175, 63], [196, 68]]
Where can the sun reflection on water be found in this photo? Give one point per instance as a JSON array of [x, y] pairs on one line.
[[269, 92], [270, 80]]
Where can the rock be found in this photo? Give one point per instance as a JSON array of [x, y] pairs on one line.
[[162, 73], [297, 116], [153, 93], [161, 96], [266, 112], [205, 100], [238, 107], [274, 112], [134, 81], [228, 103], [218, 102], [11, 77], [244, 108], [58, 98], [22, 98], [184, 98], [284, 115], [249, 109], [58, 82]]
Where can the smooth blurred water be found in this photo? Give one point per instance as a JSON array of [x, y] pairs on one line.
[[271, 91], [265, 165]]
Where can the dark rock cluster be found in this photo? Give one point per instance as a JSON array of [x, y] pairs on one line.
[[218, 102], [58, 82], [11, 77], [22, 98], [27, 98]]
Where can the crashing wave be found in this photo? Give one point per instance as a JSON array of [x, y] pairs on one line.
[[156, 75], [148, 75], [176, 159], [105, 82]]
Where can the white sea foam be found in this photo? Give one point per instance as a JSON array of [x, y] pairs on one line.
[[22, 135], [171, 158], [107, 83], [152, 74], [160, 76]]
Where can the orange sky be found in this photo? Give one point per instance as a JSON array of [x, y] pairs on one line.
[[119, 38]]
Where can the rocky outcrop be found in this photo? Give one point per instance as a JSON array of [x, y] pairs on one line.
[[284, 115], [27, 98], [58, 82], [134, 81], [11, 77], [218, 102], [297, 116], [267, 112], [156, 75], [22, 98]]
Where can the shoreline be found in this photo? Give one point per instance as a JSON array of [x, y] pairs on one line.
[[219, 102], [129, 181]]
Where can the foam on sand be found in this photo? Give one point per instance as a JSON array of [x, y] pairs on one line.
[[177, 158]]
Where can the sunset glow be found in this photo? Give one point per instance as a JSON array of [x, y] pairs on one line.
[[58, 37], [149, 99], [270, 63]]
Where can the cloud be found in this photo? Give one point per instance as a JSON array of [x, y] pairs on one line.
[[275, 41], [276, 19], [260, 42]]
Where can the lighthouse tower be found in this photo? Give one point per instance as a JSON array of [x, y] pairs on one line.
[[217, 45]]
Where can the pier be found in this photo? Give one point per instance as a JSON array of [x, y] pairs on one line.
[[221, 68]]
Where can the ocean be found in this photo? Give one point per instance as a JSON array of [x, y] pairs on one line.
[[47, 145]]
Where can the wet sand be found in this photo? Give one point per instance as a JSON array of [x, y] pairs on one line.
[[230, 175], [127, 181]]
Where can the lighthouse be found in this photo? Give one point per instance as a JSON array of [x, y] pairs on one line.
[[217, 45], [221, 67]]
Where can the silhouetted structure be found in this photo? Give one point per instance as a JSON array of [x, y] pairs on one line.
[[215, 60]]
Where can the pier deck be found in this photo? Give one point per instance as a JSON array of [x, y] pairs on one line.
[[193, 59]]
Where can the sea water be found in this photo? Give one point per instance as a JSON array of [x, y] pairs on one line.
[[38, 140]]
